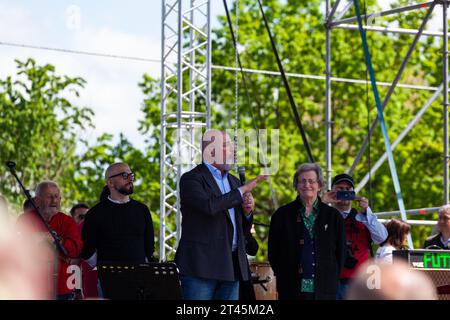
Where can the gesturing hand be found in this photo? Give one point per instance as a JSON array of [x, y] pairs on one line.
[[249, 203], [251, 184]]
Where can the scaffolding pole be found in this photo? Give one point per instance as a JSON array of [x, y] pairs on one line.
[[391, 30], [347, 7], [333, 79], [328, 129], [408, 128], [392, 88], [410, 212], [414, 222], [330, 14], [384, 13], [185, 105], [445, 80]]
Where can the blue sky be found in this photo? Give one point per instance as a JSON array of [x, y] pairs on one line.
[[129, 28]]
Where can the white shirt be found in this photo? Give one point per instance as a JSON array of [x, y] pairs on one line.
[[384, 254]]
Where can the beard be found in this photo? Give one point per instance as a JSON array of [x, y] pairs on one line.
[[49, 212], [126, 189], [228, 166]]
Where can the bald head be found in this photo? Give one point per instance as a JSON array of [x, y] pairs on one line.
[[218, 149], [115, 168], [383, 281], [119, 180]]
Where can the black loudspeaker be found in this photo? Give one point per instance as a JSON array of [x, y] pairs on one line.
[[434, 263], [147, 281]]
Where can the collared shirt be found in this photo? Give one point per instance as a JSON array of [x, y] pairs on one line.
[[309, 220], [224, 186], [117, 201], [445, 243], [377, 230], [308, 284]]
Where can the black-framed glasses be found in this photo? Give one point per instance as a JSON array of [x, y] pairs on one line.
[[125, 175]]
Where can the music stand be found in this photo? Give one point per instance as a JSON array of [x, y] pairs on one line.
[[146, 281]]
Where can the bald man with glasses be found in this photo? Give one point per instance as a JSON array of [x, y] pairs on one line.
[[119, 229]]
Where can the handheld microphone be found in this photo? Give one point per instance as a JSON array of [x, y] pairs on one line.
[[241, 171]]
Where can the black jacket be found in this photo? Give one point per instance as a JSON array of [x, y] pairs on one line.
[[206, 229], [434, 241], [285, 249]]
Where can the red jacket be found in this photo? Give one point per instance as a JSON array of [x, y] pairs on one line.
[[67, 230], [356, 232], [89, 276]]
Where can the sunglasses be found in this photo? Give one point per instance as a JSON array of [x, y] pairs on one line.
[[124, 175]]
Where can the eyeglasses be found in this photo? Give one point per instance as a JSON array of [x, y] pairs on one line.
[[124, 175], [307, 181]]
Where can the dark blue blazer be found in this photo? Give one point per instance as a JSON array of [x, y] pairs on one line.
[[205, 249]]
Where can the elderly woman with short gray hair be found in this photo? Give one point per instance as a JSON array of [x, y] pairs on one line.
[[307, 241]]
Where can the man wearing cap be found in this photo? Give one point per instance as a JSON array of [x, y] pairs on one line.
[[361, 228]]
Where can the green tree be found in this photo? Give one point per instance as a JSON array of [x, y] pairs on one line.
[[39, 126]]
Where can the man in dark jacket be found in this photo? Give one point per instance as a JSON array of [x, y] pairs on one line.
[[442, 239], [307, 242], [216, 210]]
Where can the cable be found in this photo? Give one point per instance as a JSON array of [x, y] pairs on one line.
[[86, 53], [286, 85], [257, 71]]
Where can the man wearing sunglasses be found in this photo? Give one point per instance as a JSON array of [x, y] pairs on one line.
[[119, 229]]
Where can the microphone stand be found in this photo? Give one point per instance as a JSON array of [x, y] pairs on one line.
[[56, 239]]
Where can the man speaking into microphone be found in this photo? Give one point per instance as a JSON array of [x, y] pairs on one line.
[[216, 214]]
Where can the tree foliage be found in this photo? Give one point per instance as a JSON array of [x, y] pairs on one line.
[[300, 38], [39, 126]]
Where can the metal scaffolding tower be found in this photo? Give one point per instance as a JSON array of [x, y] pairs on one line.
[[185, 104]]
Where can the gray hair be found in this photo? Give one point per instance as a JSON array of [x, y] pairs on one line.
[[44, 185], [308, 167], [444, 208]]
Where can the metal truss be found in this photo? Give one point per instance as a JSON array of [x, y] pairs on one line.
[[344, 24], [185, 104], [338, 22]]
